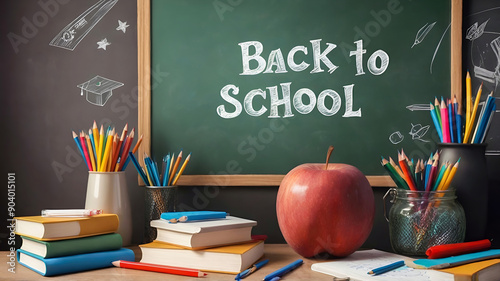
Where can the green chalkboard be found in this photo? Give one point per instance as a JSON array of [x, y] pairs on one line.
[[259, 87]]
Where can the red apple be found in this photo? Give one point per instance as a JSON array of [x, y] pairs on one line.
[[325, 208]]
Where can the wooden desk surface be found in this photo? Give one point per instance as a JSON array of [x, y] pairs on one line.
[[279, 255]]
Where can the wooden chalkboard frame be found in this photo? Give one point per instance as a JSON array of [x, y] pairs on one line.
[[144, 100]]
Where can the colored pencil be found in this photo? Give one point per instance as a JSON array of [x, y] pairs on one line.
[[124, 166], [396, 167], [400, 182], [432, 175], [436, 122], [403, 164], [78, 144], [174, 169], [182, 169], [445, 122], [451, 121], [85, 151], [166, 170], [468, 96], [386, 268], [100, 150], [437, 105], [450, 177], [126, 149], [159, 268], [485, 117], [440, 174], [139, 168], [91, 153], [443, 179], [108, 147], [487, 127], [470, 126]]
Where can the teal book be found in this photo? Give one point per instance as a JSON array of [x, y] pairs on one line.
[[72, 264], [60, 248]]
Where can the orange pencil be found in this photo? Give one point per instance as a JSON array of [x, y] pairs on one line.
[[176, 165], [182, 169], [406, 171], [139, 141]]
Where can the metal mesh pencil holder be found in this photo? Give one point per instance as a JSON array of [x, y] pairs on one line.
[[158, 200], [419, 220]]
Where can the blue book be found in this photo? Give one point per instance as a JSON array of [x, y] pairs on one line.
[[453, 261], [192, 216], [72, 264]]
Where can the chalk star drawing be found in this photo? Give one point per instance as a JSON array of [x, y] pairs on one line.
[[103, 43], [122, 26]]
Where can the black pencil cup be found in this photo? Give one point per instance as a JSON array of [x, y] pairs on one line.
[[158, 200], [471, 184]]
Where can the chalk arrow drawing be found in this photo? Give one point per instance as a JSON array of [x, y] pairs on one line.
[[419, 107]]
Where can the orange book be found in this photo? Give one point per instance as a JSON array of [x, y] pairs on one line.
[[59, 228], [487, 270], [226, 259]]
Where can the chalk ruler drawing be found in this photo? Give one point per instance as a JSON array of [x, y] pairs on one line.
[[99, 89], [70, 36]]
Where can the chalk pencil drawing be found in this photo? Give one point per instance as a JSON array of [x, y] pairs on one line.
[[419, 107], [71, 35], [99, 89], [122, 25], [418, 131], [396, 137], [422, 32], [103, 44]]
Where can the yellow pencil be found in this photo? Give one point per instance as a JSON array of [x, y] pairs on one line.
[[182, 169], [473, 115], [445, 177], [105, 157], [176, 165], [99, 151], [91, 152], [468, 100], [450, 176], [95, 132]]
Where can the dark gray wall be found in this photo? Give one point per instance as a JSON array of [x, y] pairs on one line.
[[41, 105]]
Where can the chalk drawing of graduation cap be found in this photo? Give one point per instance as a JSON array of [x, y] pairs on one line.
[[99, 89]]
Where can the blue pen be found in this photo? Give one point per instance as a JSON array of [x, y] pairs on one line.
[[282, 271], [386, 268], [251, 270]]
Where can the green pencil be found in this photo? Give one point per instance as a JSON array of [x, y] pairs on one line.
[[400, 182]]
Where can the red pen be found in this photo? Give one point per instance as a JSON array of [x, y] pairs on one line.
[[159, 268], [448, 250]]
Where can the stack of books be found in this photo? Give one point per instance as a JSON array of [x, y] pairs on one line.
[[219, 245], [60, 245]]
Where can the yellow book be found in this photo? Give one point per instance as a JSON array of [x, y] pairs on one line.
[[487, 270], [58, 228], [226, 259]]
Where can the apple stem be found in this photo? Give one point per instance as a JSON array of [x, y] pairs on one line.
[[329, 153]]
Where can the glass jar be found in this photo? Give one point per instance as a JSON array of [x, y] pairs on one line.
[[419, 220]]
